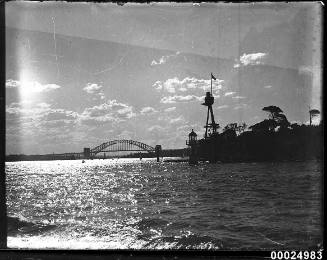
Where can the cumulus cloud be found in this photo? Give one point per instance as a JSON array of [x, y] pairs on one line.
[[241, 106], [170, 85], [40, 110], [251, 59], [93, 88], [10, 83], [238, 97], [157, 85], [222, 107], [229, 93], [177, 98], [31, 86], [170, 109], [61, 114], [177, 120], [148, 110], [32, 111], [109, 111], [38, 115], [164, 59], [173, 85]]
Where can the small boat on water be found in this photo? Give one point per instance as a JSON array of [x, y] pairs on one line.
[[83, 161]]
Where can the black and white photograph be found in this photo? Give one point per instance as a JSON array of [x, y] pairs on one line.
[[164, 126]]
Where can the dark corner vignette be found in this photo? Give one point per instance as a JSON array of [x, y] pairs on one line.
[[3, 216]]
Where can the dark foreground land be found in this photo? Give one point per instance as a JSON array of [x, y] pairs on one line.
[[294, 143]]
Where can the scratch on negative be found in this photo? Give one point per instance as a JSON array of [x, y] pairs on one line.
[[55, 43], [269, 239], [112, 67]]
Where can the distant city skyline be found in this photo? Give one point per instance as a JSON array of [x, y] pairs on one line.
[[80, 74]]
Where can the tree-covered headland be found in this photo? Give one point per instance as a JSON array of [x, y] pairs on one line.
[[273, 139]]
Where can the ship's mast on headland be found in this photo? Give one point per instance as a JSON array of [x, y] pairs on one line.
[[208, 101]]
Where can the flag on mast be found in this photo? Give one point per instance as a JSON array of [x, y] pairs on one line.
[[213, 77]]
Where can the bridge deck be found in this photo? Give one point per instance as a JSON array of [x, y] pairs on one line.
[[109, 147]]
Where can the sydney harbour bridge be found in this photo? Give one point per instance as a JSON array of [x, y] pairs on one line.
[[112, 146]]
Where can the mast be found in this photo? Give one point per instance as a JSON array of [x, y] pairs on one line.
[[208, 101], [211, 84]]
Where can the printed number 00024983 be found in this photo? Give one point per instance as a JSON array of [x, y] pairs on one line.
[[295, 255]]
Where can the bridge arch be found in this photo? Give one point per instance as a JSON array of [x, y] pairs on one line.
[[121, 145]]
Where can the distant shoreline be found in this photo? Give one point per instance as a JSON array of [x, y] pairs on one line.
[[185, 159], [252, 161]]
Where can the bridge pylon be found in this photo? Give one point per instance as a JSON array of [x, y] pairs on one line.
[[158, 151], [87, 153]]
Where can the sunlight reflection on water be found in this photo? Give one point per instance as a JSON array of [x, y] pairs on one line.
[[128, 203]]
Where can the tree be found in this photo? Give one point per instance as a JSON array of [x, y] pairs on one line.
[[282, 121], [267, 125], [240, 128], [273, 111], [276, 114], [295, 126], [313, 113], [230, 126]]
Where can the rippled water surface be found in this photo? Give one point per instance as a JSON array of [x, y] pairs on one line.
[[128, 203]]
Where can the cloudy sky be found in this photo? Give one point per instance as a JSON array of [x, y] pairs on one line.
[[80, 74]]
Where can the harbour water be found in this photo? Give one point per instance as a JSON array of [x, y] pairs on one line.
[[142, 204]]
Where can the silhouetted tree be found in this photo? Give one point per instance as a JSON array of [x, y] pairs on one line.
[[266, 125], [276, 114], [295, 126], [273, 111], [282, 121], [313, 113], [231, 126], [229, 134], [241, 128], [265, 142]]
